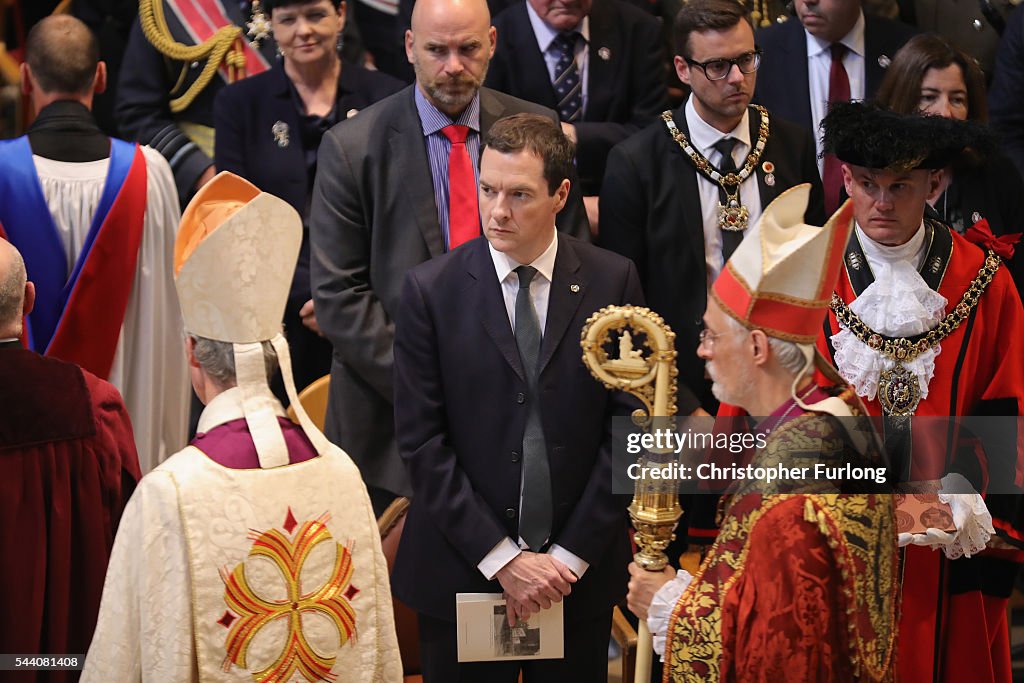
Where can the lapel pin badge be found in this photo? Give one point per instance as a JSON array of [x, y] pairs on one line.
[[975, 217], [350, 113], [884, 61], [769, 173], [280, 131], [575, 289], [604, 53]]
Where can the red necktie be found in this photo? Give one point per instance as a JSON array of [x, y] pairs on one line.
[[838, 91], [463, 209]]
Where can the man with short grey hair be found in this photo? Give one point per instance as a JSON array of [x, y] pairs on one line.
[[827, 537]]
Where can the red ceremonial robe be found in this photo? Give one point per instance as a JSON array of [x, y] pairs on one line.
[[953, 618], [800, 583], [67, 468]]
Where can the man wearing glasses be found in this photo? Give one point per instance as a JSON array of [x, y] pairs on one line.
[[679, 196], [670, 204]]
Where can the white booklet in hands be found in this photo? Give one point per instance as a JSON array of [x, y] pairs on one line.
[[485, 636]]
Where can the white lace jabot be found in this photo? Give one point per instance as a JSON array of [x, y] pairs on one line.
[[897, 304]]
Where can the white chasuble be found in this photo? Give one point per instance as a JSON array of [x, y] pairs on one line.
[[222, 574]]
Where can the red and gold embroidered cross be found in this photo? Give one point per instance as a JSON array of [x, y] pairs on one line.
[[249, 612]]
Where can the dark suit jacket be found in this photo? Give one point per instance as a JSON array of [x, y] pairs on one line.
[[1006, 96], [246, 111], [374, 218], [993, 191], [782, 80], [460, 415], [626, 88], [650, 212], [245, 114]]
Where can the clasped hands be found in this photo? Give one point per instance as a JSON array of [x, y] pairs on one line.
[[532, 582]]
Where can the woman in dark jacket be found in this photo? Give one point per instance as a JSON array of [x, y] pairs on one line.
[[931, 76], [268, 130]]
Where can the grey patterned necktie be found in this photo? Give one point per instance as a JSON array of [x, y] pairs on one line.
[[535, 515], [568, 89]]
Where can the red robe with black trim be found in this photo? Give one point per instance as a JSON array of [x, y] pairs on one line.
[[953, 619], [67, 468]]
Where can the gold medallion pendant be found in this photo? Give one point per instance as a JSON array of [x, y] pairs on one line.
[[733, 217], [898, 391]]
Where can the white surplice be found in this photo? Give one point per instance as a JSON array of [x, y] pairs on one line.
[[149, 367]]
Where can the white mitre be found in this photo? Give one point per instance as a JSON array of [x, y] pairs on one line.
[[234, 259]]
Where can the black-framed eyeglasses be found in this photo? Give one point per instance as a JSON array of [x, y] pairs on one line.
[[717, 69]]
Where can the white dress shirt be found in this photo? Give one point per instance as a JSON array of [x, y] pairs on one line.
[[540, 290], [546, 35], [703, 137], [819, 64]]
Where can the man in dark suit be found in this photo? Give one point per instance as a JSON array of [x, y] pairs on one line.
[[661, 211], [607, 51], [381, 205], [506, 435], [835, 53]]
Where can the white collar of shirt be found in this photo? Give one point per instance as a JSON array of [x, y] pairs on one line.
[[545, 34], [854, 40], [227, 406], [704, 136], [540, 287], [545, 263], [912, 252]]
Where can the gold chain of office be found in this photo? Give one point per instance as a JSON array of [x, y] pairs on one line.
[[732, 215], [220, 47], [903, 350]]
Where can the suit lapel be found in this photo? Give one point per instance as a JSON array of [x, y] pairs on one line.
[[409, 152], [490, 303], [283, 110], [529, 61], [873, 71], [766, 193], [690, 194], [491, 109], [604, 40], [567, 291]]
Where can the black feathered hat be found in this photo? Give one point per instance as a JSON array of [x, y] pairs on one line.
[[865, 134]]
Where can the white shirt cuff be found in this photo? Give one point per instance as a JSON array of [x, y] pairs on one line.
[[576, 565], [660, 611], [500, 555]]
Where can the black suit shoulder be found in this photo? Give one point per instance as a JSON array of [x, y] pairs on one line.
[[890, 31], [376, 118], [779, 34], [515, 105], [784, 129], [374, 85]]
